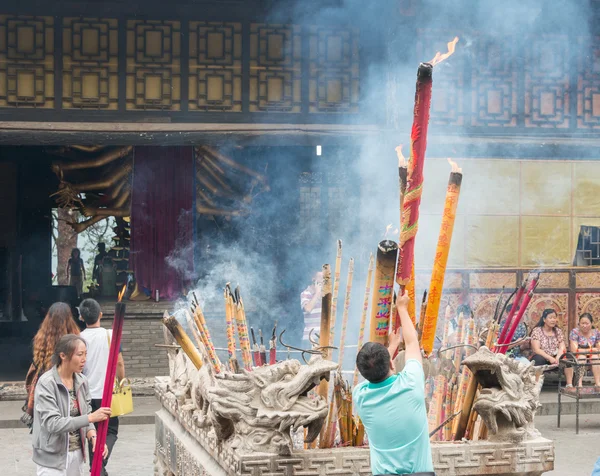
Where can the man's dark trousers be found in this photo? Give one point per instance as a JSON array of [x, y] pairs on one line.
[[111, 436]]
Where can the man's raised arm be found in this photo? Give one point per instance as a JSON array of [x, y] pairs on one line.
[[411, 339]]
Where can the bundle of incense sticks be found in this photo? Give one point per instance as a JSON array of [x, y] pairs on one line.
[[200, 322], [448, 394], [242, 327], [255, 350], [109, 382], [262, 349], [229, 317], [467, 418], [520, 313], [196, 333], [273, 346], [170, 322]]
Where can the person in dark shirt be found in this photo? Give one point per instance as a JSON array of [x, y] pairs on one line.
[[76, 271], [96, 274]]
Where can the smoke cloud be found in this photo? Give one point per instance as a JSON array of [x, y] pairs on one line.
[[290, 233]]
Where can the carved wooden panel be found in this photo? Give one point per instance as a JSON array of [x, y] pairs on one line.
[[275, 68], [587, 280], [334, 71], [588, 83], [589, 302], [90, 63], [26, 62], [494, 82], [492, 280], [484, 306], [553, 280], [153, 65], [547, 81], [215, 66]]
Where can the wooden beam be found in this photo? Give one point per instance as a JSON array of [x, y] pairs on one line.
[[98, 133]]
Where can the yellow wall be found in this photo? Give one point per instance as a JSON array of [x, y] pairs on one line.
[[511, 212]]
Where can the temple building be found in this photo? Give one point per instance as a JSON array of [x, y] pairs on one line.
[[236, 140]]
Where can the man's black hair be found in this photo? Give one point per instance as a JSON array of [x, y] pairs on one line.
[[373, 362], [90, 310]]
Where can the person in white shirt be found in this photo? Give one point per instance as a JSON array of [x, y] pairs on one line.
[[98, 347], [310, 300]]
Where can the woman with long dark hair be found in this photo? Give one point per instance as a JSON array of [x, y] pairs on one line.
[[57, 323], [63, 417], [584, 338], [547, 340]]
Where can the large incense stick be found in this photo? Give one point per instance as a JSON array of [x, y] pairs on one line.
[[363, 317], [422, 312], [346, 311], [206, 339], [324, 334], [195, 332], [336, 289], [182, 339], [441, 259], [511, 314], [230, 329], [325, 324], [410, 286], [469, 397], [242, 327], [412, 198], [382, 297], [109, 382]]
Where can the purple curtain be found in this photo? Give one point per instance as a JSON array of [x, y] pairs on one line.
[[161, 248]]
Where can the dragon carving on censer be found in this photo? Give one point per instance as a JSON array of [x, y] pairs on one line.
[[509, 395], [250, 411]]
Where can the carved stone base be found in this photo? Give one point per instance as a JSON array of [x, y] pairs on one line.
[[183, 449]]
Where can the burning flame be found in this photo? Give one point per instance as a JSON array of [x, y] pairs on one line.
[[122, 293], [455, 168], [401, 159], [439, 57]]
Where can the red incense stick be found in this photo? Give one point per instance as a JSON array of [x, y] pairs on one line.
[[517, 320], [513, 310], [111, 371]]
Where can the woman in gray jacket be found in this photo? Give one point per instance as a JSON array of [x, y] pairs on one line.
[[62, 417]]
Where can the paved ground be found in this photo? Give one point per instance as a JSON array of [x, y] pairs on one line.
[[132, 455], [575, 454]]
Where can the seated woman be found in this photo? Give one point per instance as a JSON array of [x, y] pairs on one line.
[[62, 416], [547, 340], [581, 338]]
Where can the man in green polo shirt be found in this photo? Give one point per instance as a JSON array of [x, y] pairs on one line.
[[392, 406]]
